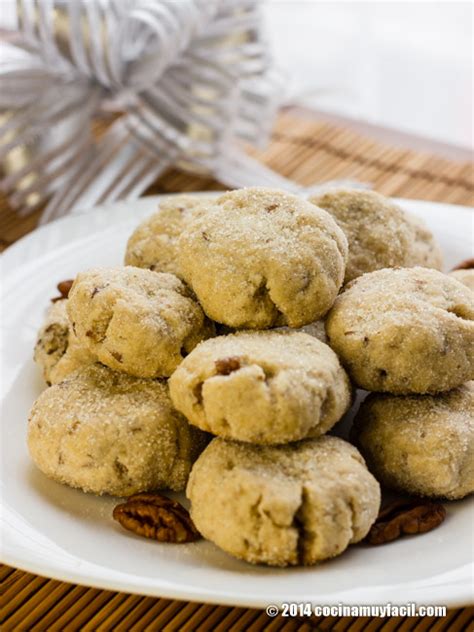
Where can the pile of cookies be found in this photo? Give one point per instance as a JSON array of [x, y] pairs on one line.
[[218, 359]]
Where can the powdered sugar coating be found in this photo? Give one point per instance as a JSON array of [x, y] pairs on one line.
[[279, 387], [109, 433], [406, 330], [299, 503], [380, 234], [422, 445], [135, 320], [154, 243], [263, 258]]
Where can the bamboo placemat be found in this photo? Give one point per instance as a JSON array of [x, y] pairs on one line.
[[308, 151]]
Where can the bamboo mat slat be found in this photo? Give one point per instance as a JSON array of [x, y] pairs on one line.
[[309, 151]]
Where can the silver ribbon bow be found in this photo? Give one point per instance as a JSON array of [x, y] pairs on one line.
[[192, 78]]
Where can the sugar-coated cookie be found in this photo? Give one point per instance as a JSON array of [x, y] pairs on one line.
[[153, 244], [420, 444], [380, 234], [134, 320], [263, 387], [407, 330], [263, 258], [109, 433], [299, 503]]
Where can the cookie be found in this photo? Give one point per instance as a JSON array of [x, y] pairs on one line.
[[262, 387], [153, 244], [380, 234], [134, 320], [109, 433], [52, 339], [421, 445], [299, 503], [466, 277], [263, 258], [402, 331]]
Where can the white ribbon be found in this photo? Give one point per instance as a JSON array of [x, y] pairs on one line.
[[193, 78]]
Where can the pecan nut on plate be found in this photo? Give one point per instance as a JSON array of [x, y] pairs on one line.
[[63, 287], [467, 264], [405, 517], [157, 517]]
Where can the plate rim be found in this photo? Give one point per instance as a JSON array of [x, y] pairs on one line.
[[458, 596]]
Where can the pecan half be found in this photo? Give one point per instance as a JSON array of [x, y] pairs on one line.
[[63, 287], [226, 366], [405, 517], [467, 264], [157, 517]]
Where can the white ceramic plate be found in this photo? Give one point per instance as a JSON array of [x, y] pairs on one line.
[[62, 533]]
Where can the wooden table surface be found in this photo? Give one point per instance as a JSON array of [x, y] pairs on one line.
[[309, 151]]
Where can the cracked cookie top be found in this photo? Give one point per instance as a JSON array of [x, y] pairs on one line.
[[263, 387], [154, 243], [380, 234], [135, 320], [284, 505], [263, 258], [109, 433], [421, 445], [406, 330]]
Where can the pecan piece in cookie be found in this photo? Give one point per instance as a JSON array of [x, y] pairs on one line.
[[226, 366], [405, 517], [157, 517]]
